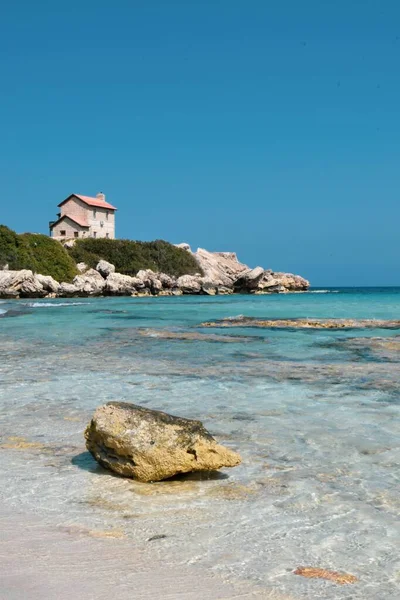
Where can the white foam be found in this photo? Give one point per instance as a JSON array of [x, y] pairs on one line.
[[324, 292], [53, 304], [2, 311]]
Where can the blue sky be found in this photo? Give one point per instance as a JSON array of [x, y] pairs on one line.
[[267, 128]]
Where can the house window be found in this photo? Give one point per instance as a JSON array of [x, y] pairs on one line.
[[94, 213], [63, 233], [107, 216], [94, 233], [76, 234], [107, 235]]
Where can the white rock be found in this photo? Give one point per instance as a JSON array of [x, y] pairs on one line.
[[49, 284], [90, 283], [184, 246], [67, 290], [222, 268], [189, 284], [24, 283], [122, 285], [82, 267], [105, 268]]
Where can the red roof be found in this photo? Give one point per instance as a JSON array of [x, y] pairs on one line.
[[76, 220], [90, 201]]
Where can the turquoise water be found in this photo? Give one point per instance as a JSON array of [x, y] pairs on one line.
[[314, 414]]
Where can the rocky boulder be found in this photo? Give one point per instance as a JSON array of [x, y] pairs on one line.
[[90, 283], [249, 280], [189, 284], [272, 282], [184, 246], [67, 290], [117, 284], [105, 268], [82, 267], [151, 281], [167, 282], [69, 243], [150, 445], [50, 285], [24, 284], [222, 268]]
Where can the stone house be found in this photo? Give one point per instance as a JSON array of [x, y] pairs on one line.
[[84, 216]]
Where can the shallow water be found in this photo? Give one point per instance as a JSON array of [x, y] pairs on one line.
[[314, 414]]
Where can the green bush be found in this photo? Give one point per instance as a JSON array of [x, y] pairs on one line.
[[9, 247], [36, 252], [130, 256]]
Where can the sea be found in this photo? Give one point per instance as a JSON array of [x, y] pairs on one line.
[[314, 414]]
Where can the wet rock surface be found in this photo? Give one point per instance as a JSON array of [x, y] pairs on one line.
[[318, 573], [194, 336], [242, 321], [150, 445]]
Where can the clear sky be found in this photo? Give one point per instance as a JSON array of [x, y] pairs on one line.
[[271, 128]]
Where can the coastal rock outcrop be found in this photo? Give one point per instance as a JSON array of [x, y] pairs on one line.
[[105, 268], [82, 267], [67, 290], [90, 283], [150, 445], [189, 284], [50, 285], [221, 268], [219, 273], [223, 273], [184, 246], [258, 281], [121, 285], [20, 284]]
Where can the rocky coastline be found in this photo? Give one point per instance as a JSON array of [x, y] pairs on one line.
[[219, 273]]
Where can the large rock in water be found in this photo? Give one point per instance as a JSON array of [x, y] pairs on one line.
[[150, 445]]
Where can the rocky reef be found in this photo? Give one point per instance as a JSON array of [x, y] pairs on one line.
[[150, 445], [242, 321], [219, 273]]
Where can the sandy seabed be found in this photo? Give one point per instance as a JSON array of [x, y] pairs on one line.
[[39, 562]]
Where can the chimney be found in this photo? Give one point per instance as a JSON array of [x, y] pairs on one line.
[[101, 196]]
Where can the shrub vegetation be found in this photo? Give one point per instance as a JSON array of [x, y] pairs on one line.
[[36, 252], [129, 256], [41, 254]]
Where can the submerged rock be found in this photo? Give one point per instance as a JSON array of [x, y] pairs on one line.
[[242, 321], [318, 573], [151, 445]]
